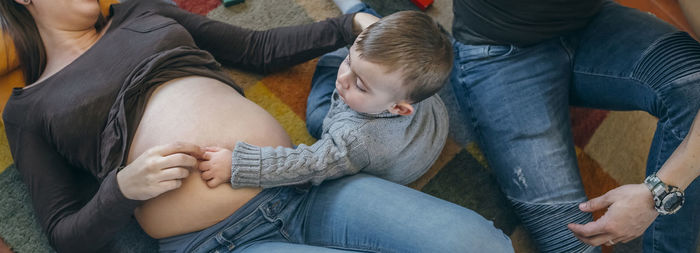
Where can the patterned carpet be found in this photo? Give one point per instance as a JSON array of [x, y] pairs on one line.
[[611, 146]]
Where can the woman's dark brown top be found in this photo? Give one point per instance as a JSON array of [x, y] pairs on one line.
[[69, 133]]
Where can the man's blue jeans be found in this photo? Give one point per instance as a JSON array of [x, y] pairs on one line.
[[359, 213], [518, 101]]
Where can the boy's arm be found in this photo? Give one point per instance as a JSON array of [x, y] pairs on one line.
[[334, 155]]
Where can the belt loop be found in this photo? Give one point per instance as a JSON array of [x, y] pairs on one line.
[[225, 242]]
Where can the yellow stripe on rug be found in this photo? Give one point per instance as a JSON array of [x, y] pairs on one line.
[[474, 150], [5, 155], [291, 122]]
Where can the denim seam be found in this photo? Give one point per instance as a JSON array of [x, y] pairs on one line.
[[607, 75], [532, 203], [653, 237], [657, 92], [661, 150], [675, 133], [282, 230], [569, 51], [640, 83], [353, 248]]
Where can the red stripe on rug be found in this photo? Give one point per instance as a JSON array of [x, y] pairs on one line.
[[596, 182], [584, 122], [201, 7], [292, 86]]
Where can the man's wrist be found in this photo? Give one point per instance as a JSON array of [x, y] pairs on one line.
[[668, 199]]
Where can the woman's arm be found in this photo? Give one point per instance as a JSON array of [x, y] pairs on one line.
[[78, 213], [691, 9], [262, 51]]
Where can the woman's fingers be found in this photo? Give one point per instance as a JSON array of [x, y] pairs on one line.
[[169, 185], [177, 160], [175, 173], [178, 147], [212, 149]]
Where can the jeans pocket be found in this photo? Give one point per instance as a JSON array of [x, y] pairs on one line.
[[468, 56], [500, 50]]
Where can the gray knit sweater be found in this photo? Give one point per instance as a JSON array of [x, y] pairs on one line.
[[393, 147]]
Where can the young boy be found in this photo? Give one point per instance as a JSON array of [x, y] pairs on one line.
[[382, 116]]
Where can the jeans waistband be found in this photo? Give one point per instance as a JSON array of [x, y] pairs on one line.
[[184, 242]]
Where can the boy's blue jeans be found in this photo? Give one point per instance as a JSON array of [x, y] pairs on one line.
[[359, 213], [518, 101]]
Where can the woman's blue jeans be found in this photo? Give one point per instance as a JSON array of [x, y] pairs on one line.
[[518, 101], [359, 213]]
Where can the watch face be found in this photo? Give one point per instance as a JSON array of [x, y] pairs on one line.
[[672, 202]]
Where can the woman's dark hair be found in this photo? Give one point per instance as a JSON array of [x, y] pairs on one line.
[[16, 21]]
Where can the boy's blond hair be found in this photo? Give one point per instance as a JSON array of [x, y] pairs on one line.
[[412, 42]]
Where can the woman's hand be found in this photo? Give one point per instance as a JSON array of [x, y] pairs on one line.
[[216, 167], [158, 170], [361, 21]]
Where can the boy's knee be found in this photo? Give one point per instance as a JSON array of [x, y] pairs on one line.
[[314, 122]]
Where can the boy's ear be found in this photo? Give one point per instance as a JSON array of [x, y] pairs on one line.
[[402, 109]]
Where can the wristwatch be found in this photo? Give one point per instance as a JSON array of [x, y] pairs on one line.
[[667, 198]]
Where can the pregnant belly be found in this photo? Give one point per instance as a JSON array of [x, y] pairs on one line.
[[205, 112]]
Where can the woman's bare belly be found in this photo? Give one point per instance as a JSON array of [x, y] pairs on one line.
[[205, 112]]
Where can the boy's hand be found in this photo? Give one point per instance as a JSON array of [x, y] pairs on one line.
[[216, 167]]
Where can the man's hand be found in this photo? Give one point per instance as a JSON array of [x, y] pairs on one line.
[[216, 167], [630, 212]]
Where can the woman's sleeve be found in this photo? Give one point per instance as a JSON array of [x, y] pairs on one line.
[[263, 51], [77, 213]]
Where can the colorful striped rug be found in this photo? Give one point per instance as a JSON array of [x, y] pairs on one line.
[[611, 146]]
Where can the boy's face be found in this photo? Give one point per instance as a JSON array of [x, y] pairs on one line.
[[367, 87]]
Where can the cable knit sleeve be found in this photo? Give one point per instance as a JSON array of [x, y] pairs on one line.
[[336, 154]]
